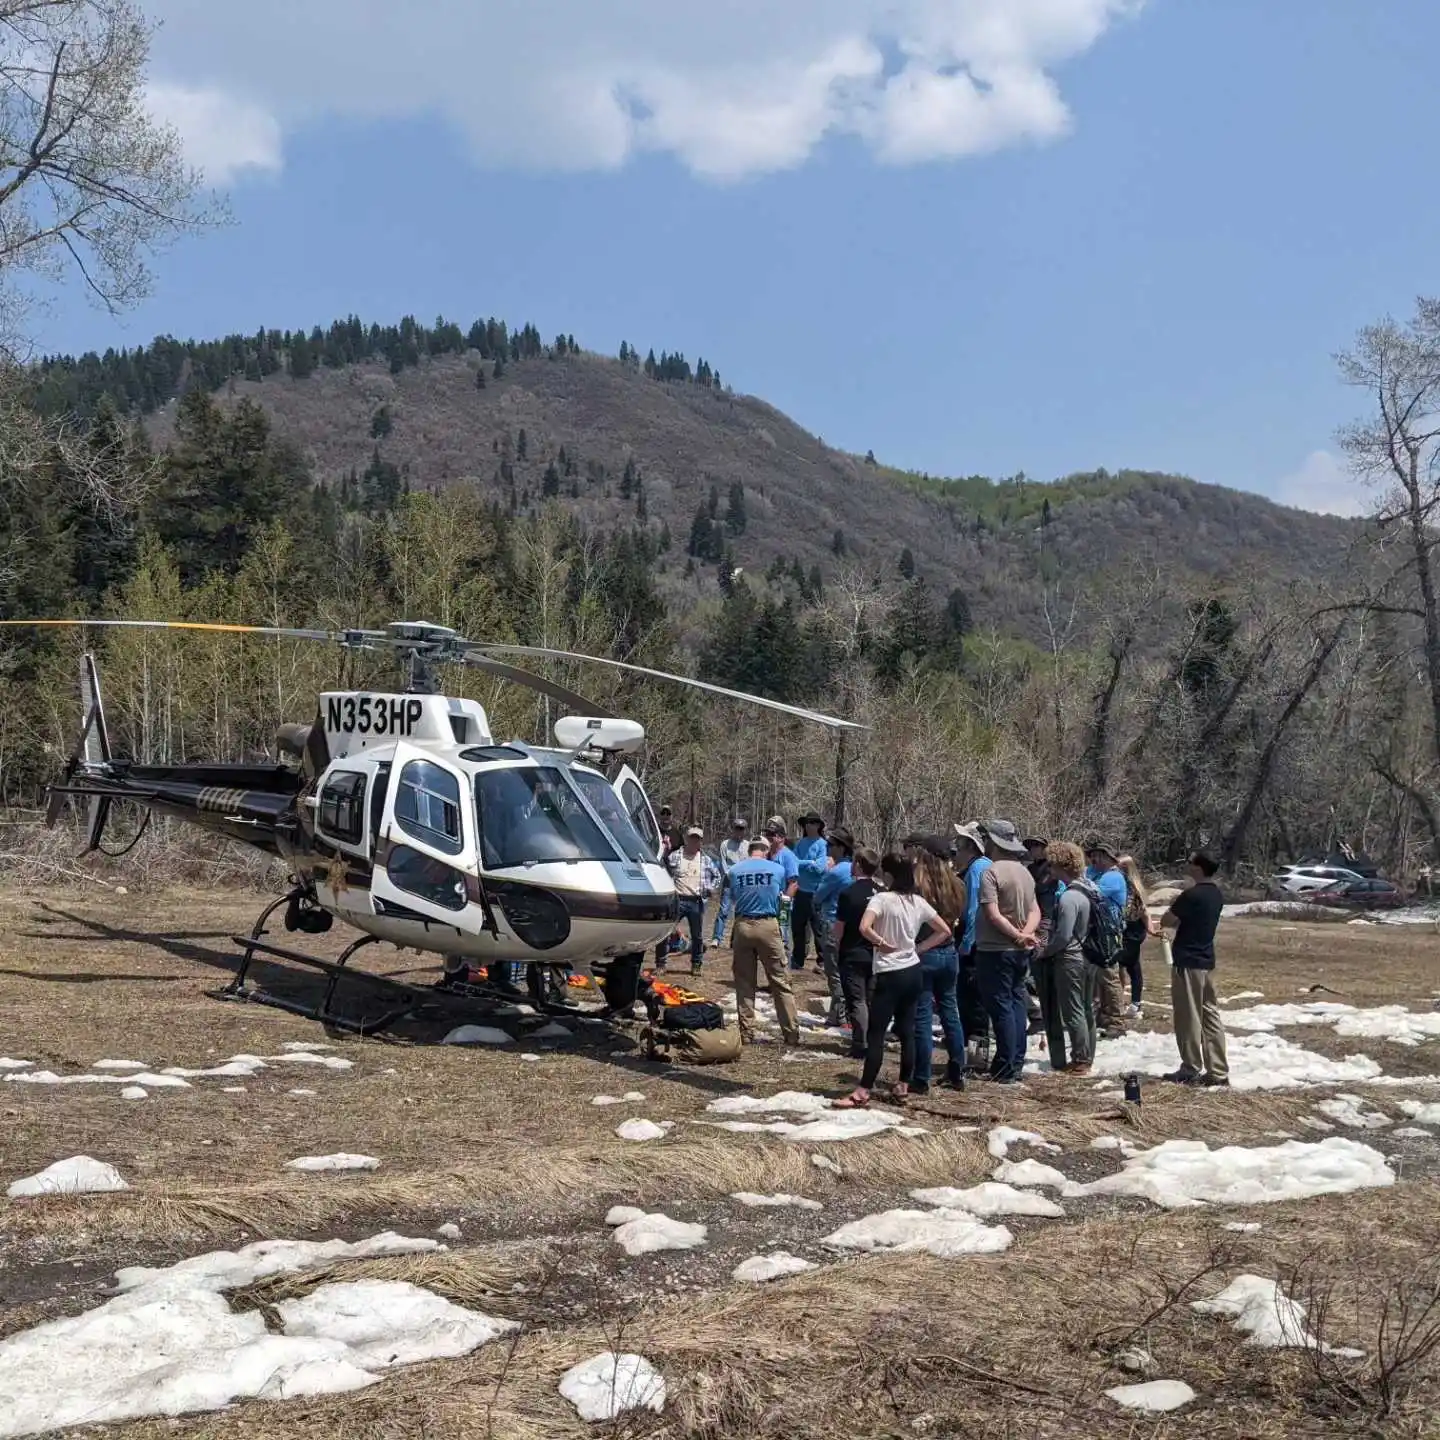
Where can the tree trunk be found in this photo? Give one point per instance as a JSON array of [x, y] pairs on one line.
[[1235, 838], [1100, 731], [1420, 538]]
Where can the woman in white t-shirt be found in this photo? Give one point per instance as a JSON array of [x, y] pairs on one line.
[[892, 920]]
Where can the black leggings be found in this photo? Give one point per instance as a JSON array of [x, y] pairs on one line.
[[1130, 964], [894, 994]]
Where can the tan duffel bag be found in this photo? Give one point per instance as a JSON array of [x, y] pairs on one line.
[[694, 1047]]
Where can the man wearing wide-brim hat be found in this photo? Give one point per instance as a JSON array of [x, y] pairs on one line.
[[812, 853], [1004, 941]]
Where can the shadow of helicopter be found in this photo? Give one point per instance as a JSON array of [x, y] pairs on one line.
[[296, 984]]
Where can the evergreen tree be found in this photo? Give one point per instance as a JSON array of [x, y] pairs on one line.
[[522, 445], [837, 543], [499, 371], [907, 564], [381, 485], [550, 485], [302, 356], [714, 502], [381, 423], [735, 510]]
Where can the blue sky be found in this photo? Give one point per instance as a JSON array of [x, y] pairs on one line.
[[1137, 244]]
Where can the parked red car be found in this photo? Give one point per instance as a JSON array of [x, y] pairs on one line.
[[1359, 895]]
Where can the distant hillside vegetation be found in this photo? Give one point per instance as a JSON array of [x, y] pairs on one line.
[[728, 477]]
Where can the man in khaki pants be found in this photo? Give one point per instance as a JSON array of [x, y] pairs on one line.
[[1199, 1025], [756, 886]]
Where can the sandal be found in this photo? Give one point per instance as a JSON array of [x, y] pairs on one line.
[[858, 1100]]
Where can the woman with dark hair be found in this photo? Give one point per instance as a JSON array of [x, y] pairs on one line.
[[854, 949], [892, 923], [936, 880]]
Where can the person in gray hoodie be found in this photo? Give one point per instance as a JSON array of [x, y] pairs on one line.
[[1066, 980]]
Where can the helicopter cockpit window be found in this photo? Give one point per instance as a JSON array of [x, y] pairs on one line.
[[427, 806], [342, 807], [529, 815], [620, 825], [640, 816]]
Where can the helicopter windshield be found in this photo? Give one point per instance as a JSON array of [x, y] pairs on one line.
[[531, 814], [606, 804]]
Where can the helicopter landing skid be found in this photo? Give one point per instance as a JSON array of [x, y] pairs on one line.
[[397, 1000]]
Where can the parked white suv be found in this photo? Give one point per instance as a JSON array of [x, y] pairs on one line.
[[1303, 879]]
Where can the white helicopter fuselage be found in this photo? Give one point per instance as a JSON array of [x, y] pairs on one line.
[[422, 831]]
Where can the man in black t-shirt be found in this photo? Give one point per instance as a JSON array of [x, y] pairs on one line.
[[1199, 1025], [854, 950]]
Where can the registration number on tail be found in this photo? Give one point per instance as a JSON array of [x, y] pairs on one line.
[[391, 715]]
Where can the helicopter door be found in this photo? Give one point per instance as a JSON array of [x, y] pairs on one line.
[[637, 806], [425, 862]]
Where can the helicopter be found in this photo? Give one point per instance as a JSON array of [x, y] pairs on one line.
[[401, 816]]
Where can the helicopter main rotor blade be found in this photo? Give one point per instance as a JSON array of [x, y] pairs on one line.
[[278, 631], [830, 721], [578, 703]]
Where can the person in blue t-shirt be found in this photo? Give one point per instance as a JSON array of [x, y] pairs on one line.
[[971, 863], [812, 857], [784, 857], [760, 886], [836, 881], [1103, 871]]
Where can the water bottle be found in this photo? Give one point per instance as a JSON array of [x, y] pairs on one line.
[[1132, 1089]]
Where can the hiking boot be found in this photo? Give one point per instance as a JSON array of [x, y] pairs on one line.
[[919, 1087], [954, 1078], [1214, 1082], [1078, 1067], [1183, 1077]]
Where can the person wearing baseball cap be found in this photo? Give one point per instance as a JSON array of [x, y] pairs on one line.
[[1103, 871], [812, 853], [733, 849], [696, 876], [784, 857]]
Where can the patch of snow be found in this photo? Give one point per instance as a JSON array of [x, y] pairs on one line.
[[304, 1057], [837, 1125], [824, 1162], [1345, 1110], [946, 1234], [1411, 1132], [1153, 1395], [232, 1090], [608, 1385], [300, 1092], [449, 1231], [640, 1130], [169, 1343], [658, 1232], [529, 1056], [80, 1175], [798, 1202], [1111, 1142], [1135, 1361], [553, 1031], [1420, 1113], [6, 1063], [134, 1092], [143, 1077], [304, 1046], [1242, 995], [477, 1035], [631, 1097], [787, 1102], [1002, 1137], [333, 1162], [114, 1065], [1030, 1172], [232, 1069], [990, 1199], [1261, 1310], [1241, 1227], [623, 1214], [1257, 1062], [1182, 1173], [776, 1265]]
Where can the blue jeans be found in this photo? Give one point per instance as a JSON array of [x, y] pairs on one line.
[[940, 969], [1001, 976], [722, 916], [692, 913]]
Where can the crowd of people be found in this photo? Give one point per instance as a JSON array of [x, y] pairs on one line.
[[994, 934]]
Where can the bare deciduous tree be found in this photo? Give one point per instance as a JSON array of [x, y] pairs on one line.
[[90, 181]]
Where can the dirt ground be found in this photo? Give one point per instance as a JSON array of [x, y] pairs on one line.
[[512, 1150]]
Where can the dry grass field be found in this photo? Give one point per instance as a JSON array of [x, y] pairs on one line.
[[511, 1150]]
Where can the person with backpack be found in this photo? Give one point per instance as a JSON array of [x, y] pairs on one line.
[[1064, 974], [1103, 872]]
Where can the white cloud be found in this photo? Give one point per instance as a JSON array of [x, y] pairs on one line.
[[1324, 484], [223, 136], [729, 87]]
